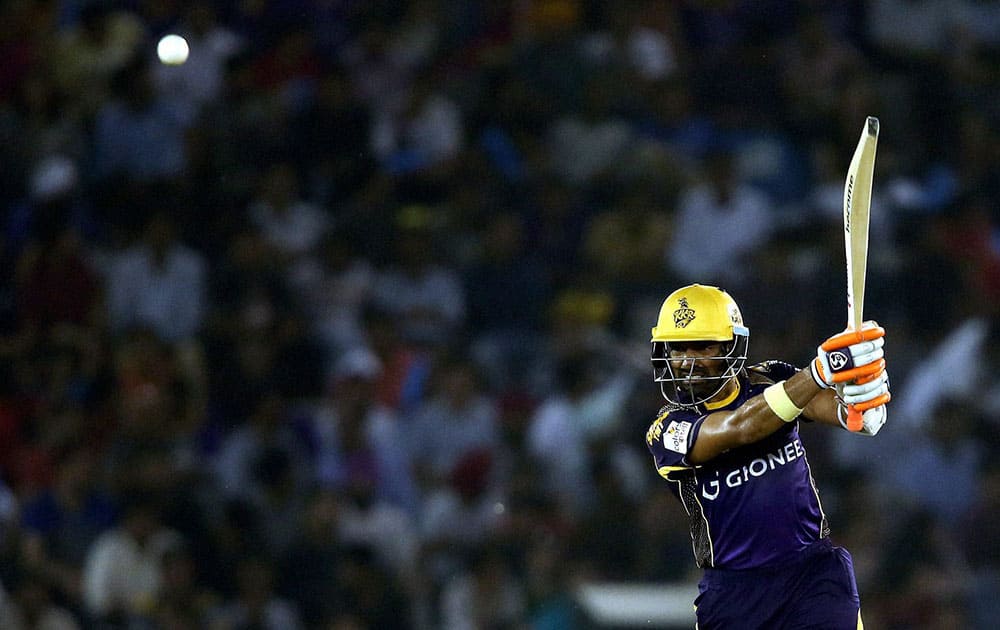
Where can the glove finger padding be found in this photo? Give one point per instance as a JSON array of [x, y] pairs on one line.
[[825, 375], [869, 331], [856, 392], [867, 351], [867, 395], [878, 401]]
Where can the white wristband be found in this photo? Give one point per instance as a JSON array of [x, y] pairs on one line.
[[777, 399]]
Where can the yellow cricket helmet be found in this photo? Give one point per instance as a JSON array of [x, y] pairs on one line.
[[697, 313]]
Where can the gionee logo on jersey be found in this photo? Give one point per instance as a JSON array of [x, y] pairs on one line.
[[757, 467]]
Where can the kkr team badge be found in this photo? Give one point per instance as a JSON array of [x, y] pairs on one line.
[[684, 315]]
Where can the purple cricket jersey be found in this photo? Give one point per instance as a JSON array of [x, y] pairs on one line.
[[753, 506]]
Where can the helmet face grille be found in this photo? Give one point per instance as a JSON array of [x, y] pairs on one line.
[[679, 388]]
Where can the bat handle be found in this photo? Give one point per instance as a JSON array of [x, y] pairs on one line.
[[855, 420]]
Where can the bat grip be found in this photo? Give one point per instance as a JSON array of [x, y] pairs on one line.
[[855, 420]]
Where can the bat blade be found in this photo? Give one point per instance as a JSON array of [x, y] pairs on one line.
[[857, 206]]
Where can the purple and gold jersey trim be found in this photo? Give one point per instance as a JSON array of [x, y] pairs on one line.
[[728, 400]]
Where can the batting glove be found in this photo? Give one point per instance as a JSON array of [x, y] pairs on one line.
[[872, 420], [853, 355]]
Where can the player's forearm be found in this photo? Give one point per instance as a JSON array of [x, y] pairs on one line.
[[752, 421], [823, 408], [757, 418]]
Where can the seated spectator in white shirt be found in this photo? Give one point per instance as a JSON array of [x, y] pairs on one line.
[[421, 289], [122, 572], [159, 283]]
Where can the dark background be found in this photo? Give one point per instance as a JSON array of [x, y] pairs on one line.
[[346, 318]]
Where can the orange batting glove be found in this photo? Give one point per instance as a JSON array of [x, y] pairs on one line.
[[853, 355]]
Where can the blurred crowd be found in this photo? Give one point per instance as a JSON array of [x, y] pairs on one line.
[[343, 323]]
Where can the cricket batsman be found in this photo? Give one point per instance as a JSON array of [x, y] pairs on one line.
[[727, 442]]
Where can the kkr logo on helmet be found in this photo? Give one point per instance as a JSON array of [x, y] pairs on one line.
[[684, 315]]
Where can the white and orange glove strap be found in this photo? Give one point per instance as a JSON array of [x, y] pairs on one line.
[[872, 419], [853, 355]]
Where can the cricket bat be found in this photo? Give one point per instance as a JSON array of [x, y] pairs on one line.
[[857, 205]]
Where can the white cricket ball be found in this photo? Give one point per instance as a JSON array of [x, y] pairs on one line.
[[172, 50]]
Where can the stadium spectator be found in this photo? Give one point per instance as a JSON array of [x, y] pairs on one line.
[[139, 134], [457, 419], [289, 224], [420, 288], [735, 216], [122, 574], [485, 594], [362, 444], [158, 283], [89, 51], [211, 43]]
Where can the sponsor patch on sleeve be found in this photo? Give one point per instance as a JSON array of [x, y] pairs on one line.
[[675, 438]]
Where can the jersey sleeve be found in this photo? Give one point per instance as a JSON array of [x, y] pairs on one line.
[[774, 370], [671, 437]]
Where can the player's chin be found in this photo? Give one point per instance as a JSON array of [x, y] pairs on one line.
[[703, 388]]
